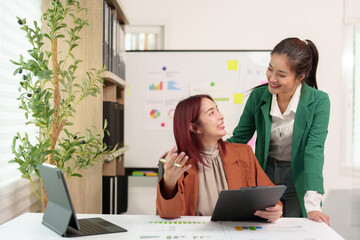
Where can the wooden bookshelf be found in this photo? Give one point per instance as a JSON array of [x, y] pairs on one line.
[[113, 89], [115, 164], [113, 170], [114, 79], [121, 15], [86, 192], [118, 153]]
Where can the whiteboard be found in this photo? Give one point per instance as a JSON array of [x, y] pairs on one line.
[[226, 75]]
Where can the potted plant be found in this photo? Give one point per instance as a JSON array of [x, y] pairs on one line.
[[49, 94]]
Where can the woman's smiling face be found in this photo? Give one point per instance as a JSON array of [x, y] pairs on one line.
[[282, 80], [211, 123]]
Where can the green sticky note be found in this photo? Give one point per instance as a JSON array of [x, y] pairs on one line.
[[224, 99], [238, 98], [137, 173], [252, 228]]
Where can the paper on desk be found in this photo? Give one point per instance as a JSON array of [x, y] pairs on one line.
[[280, 230], [154, 227]]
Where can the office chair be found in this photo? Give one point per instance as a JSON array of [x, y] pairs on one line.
[[161, 171], [161, 167]]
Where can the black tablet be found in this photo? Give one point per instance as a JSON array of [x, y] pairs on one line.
[[241, 204], [60, 214]]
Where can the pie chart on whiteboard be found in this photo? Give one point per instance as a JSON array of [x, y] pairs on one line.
[[154, 113]]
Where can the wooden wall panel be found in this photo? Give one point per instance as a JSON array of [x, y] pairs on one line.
[[86, 192]]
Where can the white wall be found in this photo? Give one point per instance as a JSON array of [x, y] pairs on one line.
[[261, 24]]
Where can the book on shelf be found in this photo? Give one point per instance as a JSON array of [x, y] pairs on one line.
[[114, 43], [117, 57], [113, 113], [120, 53], [105, 35], [111, 19], [115, 194], [121, 125]]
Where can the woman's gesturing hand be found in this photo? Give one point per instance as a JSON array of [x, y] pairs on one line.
[[173, 168], [270, 213]]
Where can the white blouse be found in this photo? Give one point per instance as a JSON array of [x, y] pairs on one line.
[[282, 127]]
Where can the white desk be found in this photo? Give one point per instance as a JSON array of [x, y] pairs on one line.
[[28, 226]]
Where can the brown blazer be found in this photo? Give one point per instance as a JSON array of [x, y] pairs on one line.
[[241, 170]]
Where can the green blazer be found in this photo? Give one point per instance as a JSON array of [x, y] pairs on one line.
[[309, 134]]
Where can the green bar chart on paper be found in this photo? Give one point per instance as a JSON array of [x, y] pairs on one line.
[[182, 228], [194, 228], [176, 222]]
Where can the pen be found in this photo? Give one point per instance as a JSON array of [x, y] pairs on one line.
[[165, 161]]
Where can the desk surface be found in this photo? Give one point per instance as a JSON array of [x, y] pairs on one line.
[[28, 226]]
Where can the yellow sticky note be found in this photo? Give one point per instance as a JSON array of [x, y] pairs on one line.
[[232, 65], [238, 98]]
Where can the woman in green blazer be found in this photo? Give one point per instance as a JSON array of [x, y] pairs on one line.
[[290, 117]]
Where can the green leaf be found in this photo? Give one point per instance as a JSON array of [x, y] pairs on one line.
[[74, 46], [76, 175], [16, 63], [60, 36]]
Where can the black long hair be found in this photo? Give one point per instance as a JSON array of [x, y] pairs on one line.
[[303, 57]]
